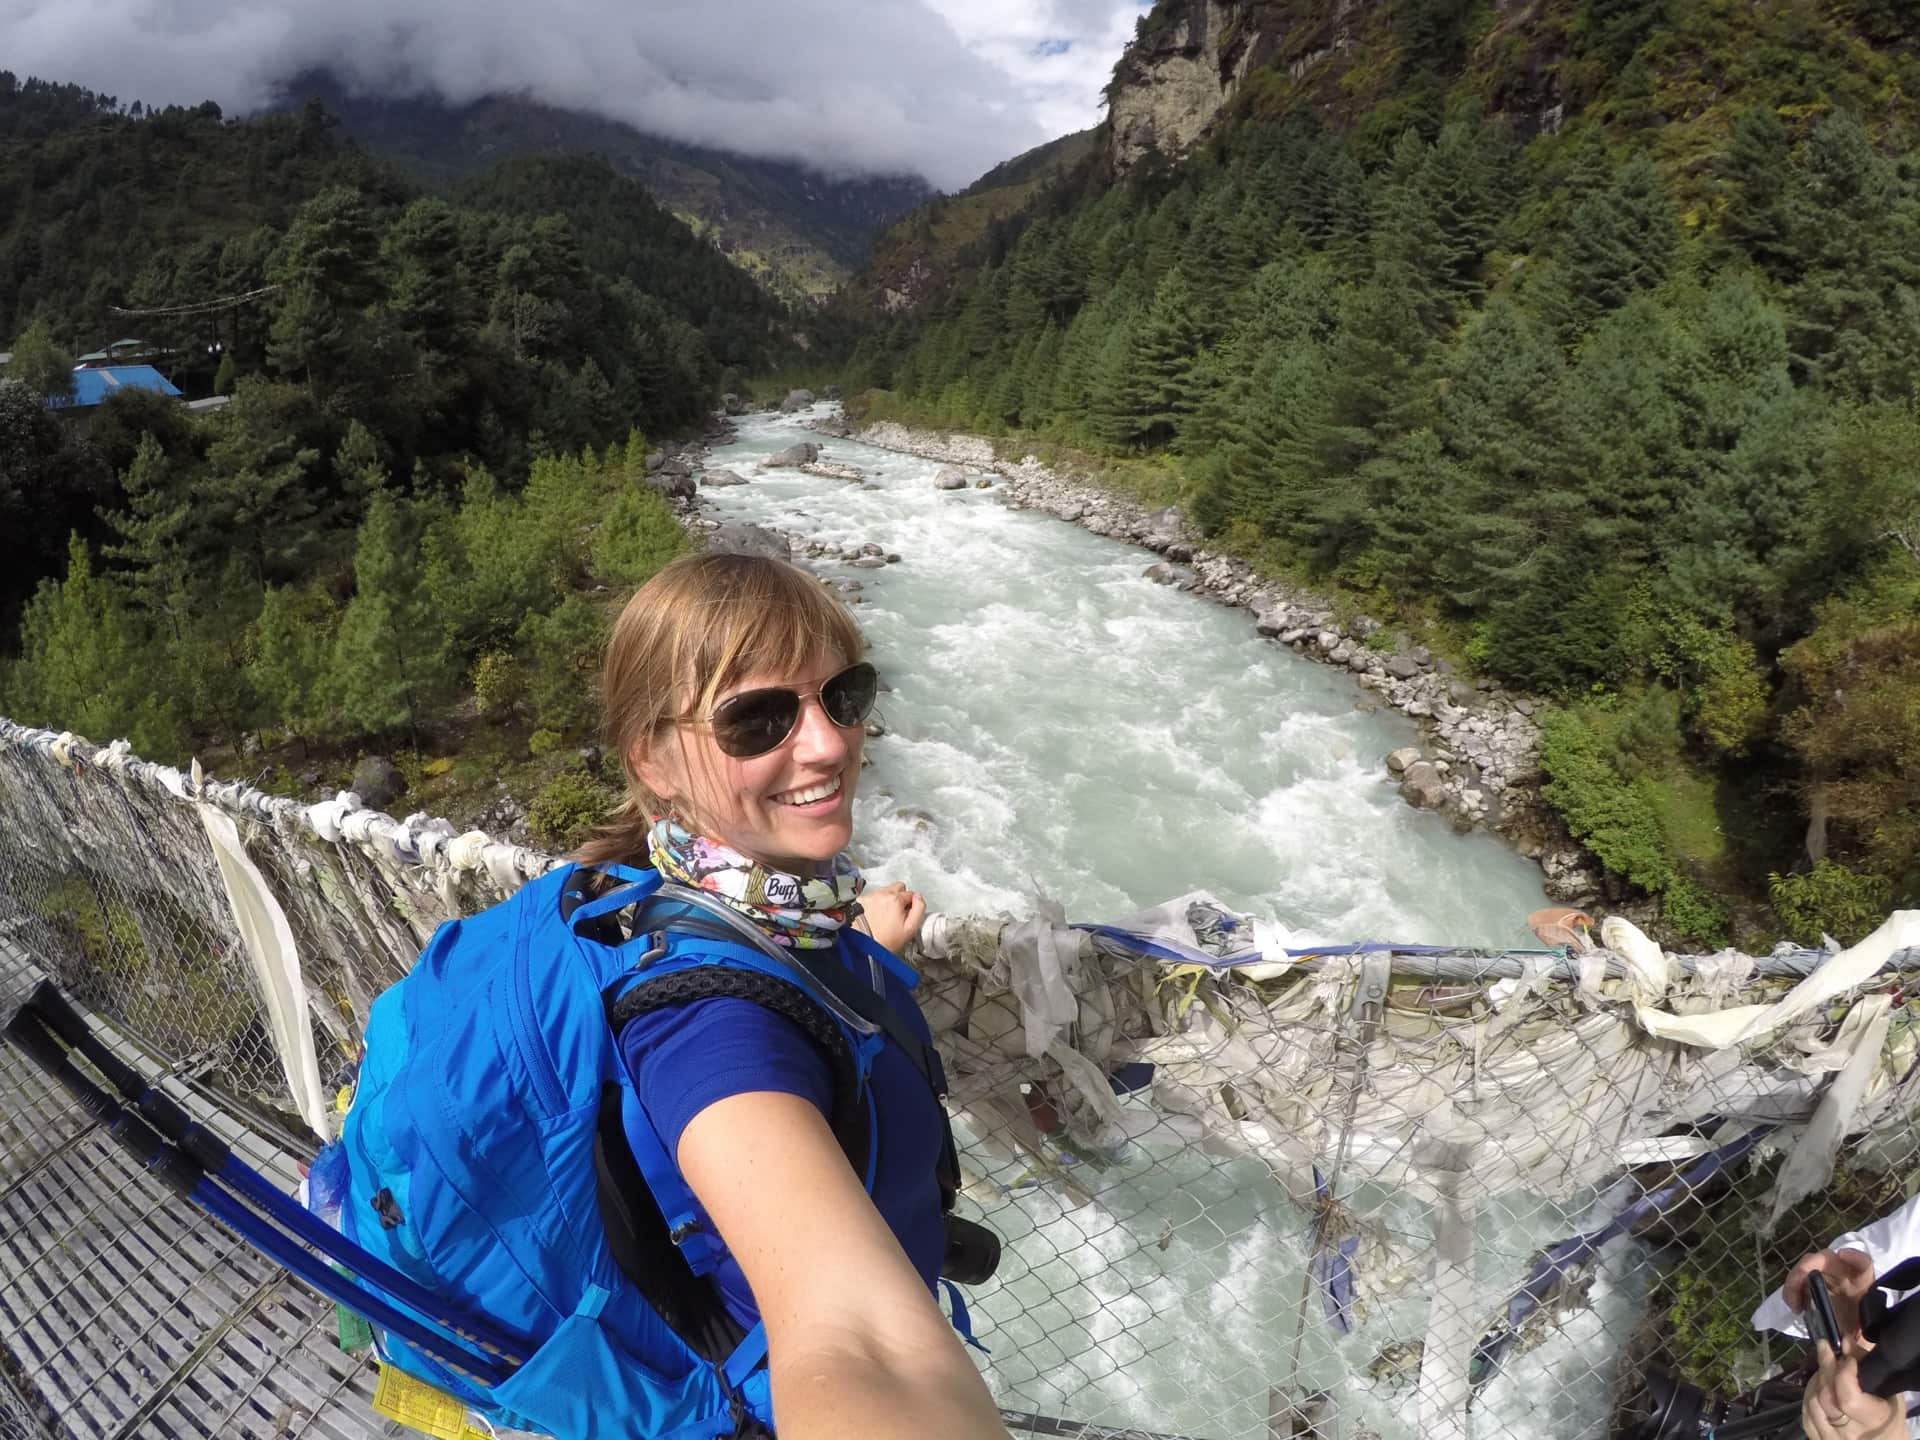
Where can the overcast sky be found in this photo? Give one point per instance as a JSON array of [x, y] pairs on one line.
[[945, 88]]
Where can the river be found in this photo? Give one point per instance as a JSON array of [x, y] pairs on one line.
[[1058, 723]]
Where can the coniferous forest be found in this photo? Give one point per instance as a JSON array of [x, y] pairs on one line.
[[430, 462], [1621, 415]]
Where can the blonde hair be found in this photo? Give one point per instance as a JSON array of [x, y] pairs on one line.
[[703, 624]]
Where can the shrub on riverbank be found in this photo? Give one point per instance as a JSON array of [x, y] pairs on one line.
[[1615, 774]]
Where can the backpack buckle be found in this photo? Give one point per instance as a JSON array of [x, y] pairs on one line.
[[657, 946]]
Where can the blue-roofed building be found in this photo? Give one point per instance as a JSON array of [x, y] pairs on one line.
[[91, 386]]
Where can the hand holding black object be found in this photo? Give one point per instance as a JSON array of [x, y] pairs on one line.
[[1837, 1407], [1849, 1278]]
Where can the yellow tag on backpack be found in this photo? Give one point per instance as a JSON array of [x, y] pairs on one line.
[[418, 1406]]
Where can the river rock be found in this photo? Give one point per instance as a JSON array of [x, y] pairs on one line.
[[739, 538], [1403, 667], [805, 453], [983, 483], [732, 404], [1165, 526], [674, 465], [1422, 787], [655, 459], [796, 400], [1403, 759], [720, 479], [868, 562], [674, 486], [376, 782], [831, 470], [1164, 574], [950, 477]]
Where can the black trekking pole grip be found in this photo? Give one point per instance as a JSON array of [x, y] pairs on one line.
[[161, 1110], [59, 1016], [139, 1139]]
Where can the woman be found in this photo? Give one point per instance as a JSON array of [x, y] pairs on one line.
[[736, 696]]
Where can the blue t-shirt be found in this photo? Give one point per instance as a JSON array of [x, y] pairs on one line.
[[684, 1058]]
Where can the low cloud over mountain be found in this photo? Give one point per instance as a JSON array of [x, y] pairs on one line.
[[941, 88]]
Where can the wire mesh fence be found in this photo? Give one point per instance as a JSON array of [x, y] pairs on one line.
[[1392, 1192]]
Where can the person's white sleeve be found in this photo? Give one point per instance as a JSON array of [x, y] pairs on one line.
[[1887, 1241]]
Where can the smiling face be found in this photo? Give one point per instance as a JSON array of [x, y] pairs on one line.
[[790, 809]]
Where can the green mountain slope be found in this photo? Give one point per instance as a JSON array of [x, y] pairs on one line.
[[365, 330], [797, 231], [921, 254], [1582, 335]]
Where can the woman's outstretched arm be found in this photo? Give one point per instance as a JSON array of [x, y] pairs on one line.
[[856, 1344]]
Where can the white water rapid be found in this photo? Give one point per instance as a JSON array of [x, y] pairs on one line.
[[1058, 721]]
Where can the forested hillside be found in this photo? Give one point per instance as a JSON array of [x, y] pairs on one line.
[[426, 488], [802, 234], [1582, 336]]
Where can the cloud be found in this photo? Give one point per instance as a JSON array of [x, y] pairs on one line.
[[942, 88]]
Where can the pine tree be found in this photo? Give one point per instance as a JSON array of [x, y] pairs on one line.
[[259, 485], [1757, 220], [1628, 435], [156, 533], [1157, 397], [87, 663], [332, 248], [1856, 309], [1620, 243], [291, 651], [390, 667]]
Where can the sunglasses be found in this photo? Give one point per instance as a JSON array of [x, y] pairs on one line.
[[756, 721]]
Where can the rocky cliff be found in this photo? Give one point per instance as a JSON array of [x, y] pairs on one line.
[[1184, 65], [1191, 60]]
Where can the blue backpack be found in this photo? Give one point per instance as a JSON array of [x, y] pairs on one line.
[[498, 1156]]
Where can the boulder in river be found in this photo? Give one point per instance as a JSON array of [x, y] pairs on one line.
[[739, 538], [1162, 573], [796, 400], [805, 453], [655, 459], [950, 477], [672, 484], [732, 404], [1422, 787], [1403, 759], [719, 479]]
